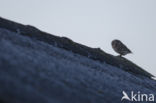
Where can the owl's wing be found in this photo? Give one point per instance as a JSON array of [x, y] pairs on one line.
[[124, 48]]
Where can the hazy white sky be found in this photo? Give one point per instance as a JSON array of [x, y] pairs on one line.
[[94, 23]]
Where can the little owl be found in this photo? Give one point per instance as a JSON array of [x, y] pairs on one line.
[[120, 48]]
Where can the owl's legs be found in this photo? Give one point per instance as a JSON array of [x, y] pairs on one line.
[[120, 55]]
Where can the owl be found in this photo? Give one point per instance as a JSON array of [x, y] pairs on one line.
[[120, 48]]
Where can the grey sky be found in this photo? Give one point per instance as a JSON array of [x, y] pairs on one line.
[[94, 23]]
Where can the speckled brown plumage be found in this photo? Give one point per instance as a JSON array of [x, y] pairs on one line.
[[120, 48]]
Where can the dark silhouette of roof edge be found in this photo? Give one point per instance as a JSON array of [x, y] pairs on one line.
[[66, 43]]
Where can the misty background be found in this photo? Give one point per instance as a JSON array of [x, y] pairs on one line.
[[94, 23]]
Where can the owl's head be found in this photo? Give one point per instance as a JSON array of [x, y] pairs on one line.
[[116, 42]]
